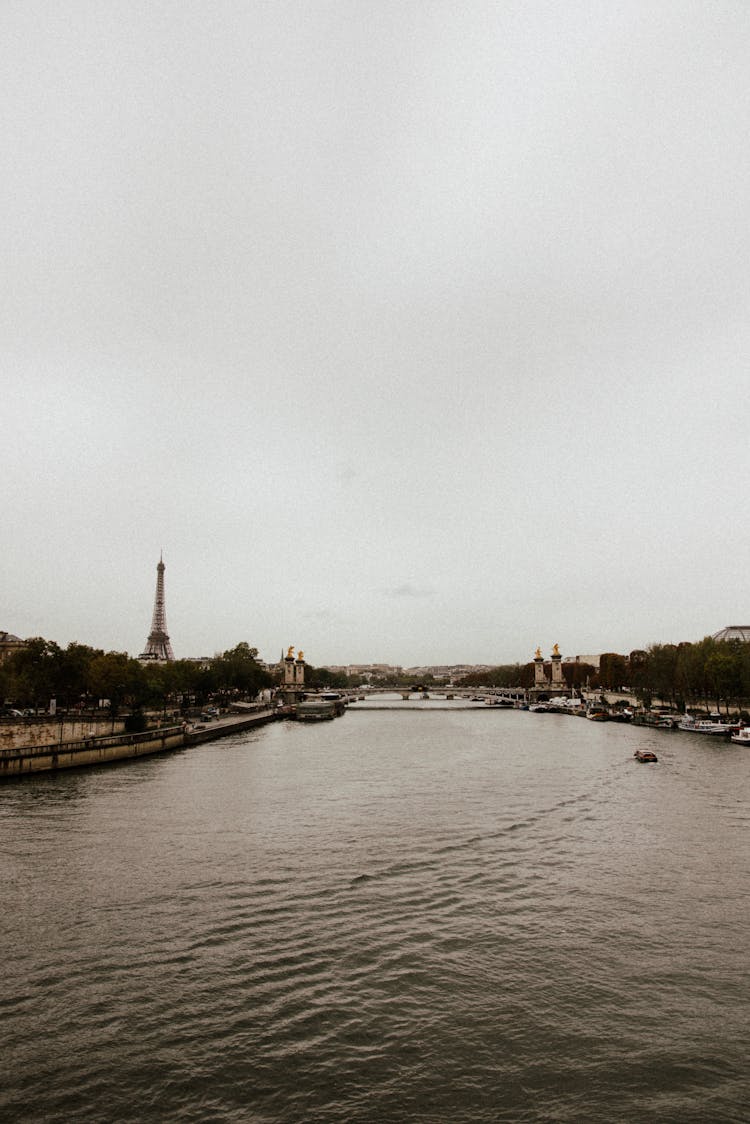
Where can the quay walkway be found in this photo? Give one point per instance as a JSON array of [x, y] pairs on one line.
[[210, 729]]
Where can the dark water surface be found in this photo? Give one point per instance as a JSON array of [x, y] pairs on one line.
[[441, 916]]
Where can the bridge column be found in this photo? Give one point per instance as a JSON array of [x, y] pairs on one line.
[[557, 675], [299, 671], [540, 679], [291, 677]]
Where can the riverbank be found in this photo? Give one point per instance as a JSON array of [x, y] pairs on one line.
[[21, 760]]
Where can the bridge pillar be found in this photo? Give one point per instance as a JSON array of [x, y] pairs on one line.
[[540, 679], [299, 671]]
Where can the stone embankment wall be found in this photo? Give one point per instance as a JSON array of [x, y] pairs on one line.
[[89, 751], [17, 733], [65, 750]]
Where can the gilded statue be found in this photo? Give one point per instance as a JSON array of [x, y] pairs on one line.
[[300, 656], [290, 653], [556, 650], [538, 654]]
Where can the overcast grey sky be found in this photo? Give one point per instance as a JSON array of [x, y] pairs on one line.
[[411, 332]]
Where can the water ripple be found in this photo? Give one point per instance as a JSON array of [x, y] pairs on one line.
[[504, 921]]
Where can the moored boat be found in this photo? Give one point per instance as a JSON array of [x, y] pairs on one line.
[[742, 737], [597, 714], [657, 720], [711, 726], [316, 708]]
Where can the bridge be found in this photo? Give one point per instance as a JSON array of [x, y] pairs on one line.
[[489, 696], [486, 695]]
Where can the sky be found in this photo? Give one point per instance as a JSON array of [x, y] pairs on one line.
[[409, 332]]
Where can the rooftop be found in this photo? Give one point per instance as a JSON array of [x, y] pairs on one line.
[[733, 632]]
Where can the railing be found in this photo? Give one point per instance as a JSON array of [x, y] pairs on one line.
[[84, 744]]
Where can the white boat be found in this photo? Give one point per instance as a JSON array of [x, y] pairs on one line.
[[742, 737], [705, 726]]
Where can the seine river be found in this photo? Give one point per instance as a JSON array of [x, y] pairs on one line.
[[426, 916]]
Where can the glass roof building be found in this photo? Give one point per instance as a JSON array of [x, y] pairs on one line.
[[733, 632]]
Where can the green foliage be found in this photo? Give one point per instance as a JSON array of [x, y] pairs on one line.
[[580, 675], [34, 673], [238, 671], [82, 676], [709, 672], [614, 671], [324, 677], [506, 675]]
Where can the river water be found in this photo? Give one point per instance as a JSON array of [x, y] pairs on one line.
[[416, 914]]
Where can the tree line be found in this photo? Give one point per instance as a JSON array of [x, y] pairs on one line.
[[707, 673], [79, 677], [522, 675]]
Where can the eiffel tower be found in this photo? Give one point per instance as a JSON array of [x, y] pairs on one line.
[[158, 646]]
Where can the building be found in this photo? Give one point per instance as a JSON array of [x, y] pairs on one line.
[[733, 632], [593, 661], [9, 644]]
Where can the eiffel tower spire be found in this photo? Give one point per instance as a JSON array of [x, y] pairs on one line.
[[158, 646]]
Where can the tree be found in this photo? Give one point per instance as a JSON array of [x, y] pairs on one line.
[[577, 675], [614, 671], [661, 671], [75, 673], [34, 672], [116, 677], [237, 670], [638, 660], [724, 672], [505, 675]]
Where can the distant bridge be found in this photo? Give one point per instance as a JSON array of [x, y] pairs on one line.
[[516, 694], [513, 694]]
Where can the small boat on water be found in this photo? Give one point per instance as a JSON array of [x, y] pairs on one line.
[[645, 756], [742, 737]]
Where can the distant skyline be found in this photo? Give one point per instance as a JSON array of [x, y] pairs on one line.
[[272, 657], [410, 333]]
